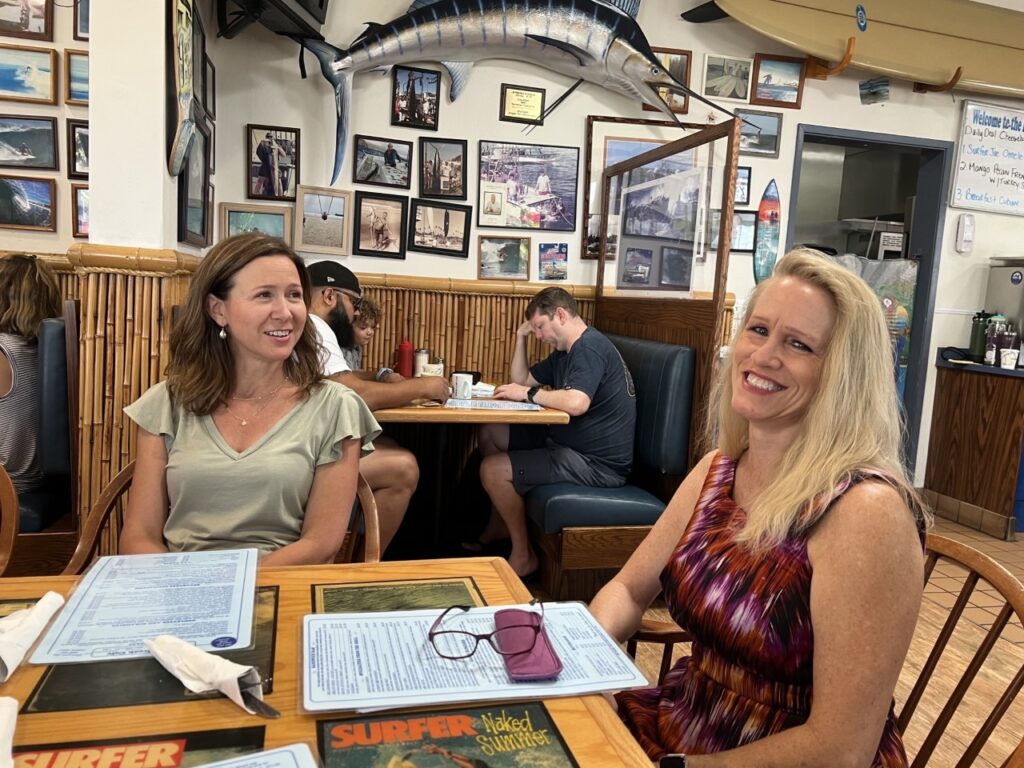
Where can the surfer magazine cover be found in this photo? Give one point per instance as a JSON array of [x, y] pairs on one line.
[[500, 736]]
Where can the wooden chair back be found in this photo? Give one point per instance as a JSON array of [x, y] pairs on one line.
[[102, 526], [9, 518], [364, 516]]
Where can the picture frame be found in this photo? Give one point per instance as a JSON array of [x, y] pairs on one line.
[[15, 85], [78, 148], [440, 228], [81, 20], [193, 193], [212, 127], [28, 20], [379, 225], [76, 77], [637, 268], [522, 104], [239, 218], [741, 196], [373, 162], [553, 261], [415, 97], [450, 156], [211, 208], [533, 185], [761, 132], [41, 197], [179, 110], [272, 162], [744, 230], [322, 220], [778, 81], [503, 257], [676, 270], [727, 78], [28, 141], [198, 60], [80, 210], [676, 62], [210, 88]]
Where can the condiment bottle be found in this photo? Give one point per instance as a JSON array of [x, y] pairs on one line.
[[440, 362], [404, 359], [420, 358]]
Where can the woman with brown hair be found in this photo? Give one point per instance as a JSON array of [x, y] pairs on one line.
[[28, 294], [245, 444]]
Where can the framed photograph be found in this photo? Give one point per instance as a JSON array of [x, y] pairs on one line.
[[503, 258], [379, 227], [79, 210], [81, 20], [210, 89], [273, 162], [211, 208], [441, 228], [193, 195], [415, 97], [668, 206], [676, 267], [382, 162], [532, 185], [78, 149], [28, 142], [677, 64], [778, 81], [29, 19], [198, 58], [744, 226], [727, 78], [443, 168], [272, 220], [35, 205], [179, 110], [28, 74], [212, 128], [322, 220], [553, 261], [760, 132], [521, 104], [76, 77], [636, 267], [742, 194]]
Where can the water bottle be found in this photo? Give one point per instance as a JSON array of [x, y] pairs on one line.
[[979, 326]]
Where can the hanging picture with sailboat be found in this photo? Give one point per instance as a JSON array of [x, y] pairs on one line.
[[527, 186]]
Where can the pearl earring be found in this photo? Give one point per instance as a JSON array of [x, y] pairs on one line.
[[223, 332]]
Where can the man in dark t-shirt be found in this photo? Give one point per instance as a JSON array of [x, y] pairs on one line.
[[585, 377]]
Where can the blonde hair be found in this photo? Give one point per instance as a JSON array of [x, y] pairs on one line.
[[28, 294], [852, 425]]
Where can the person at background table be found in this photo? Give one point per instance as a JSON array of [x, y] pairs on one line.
[[794, 552], [391, 471], [28, 294], [363, 329], [585, 377], [245, 444]]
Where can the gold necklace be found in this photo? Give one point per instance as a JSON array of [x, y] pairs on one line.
[[269, 396], [260, 397]]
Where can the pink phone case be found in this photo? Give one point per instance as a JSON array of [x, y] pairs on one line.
[[539, 663]]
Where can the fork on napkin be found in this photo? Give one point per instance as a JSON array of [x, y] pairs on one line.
[[19, 630]]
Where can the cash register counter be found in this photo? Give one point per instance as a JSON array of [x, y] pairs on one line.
[[975, 449]]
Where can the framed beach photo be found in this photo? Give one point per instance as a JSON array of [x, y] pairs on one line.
[[415, 97], [240, 218], [33, 203], [382, 162], [28, 19], [521, 104], [760, 132], [322, 220], [677, 64], [503, 258], [778, 81], [744, 227], [193, 195], [272, 164], [28, 142], [81, 20], [553, 261], [28, 74], [78, 149], [76, 77], [379, 225], [727, 78], [676, 267], [527, 186], [441, 228], [443, 168], [742, 194], [79, 210]]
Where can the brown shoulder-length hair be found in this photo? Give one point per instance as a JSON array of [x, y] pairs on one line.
[[28, 294], [201, 372]]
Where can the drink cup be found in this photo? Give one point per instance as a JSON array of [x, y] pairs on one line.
[[462, 386], [1008, 358]]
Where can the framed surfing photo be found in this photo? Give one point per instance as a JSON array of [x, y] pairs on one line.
[[28, 74], [322, 220], [30, 20], [39, 210], [443, 168], [441, 228], [382, 162], [760, 132], [79, 210], [28, 142], [744, 226], [415, 97], [379, 225], [778, 81], [76, 77], [504, 258], [727, 78], [78, 149], [677, 64]]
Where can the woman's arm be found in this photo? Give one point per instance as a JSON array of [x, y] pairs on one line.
[[327, 512], [143, 532], [621, 603], [865, 595]]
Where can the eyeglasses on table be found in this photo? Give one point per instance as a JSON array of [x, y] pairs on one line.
[[507, 641]]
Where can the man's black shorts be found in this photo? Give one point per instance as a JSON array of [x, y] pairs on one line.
[[538, 460]]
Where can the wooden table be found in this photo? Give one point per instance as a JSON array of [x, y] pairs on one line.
[[420, 414], [588, 725]]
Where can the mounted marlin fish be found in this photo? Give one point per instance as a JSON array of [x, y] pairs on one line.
[[597, 41]]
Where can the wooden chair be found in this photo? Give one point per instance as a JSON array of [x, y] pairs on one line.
[[365, 512], [9, 517]]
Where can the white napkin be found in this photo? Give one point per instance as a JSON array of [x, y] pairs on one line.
[[19, 631], [201, 671], [480, 389], [8, 719]]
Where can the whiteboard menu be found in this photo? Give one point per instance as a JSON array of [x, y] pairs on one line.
[[989, 173]]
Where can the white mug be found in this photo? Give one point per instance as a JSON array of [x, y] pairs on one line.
[[462, 386]]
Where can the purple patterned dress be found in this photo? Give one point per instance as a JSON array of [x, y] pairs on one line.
[[749, 675]]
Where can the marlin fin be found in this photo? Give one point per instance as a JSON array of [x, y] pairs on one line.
[[417, 4], [582, 56], [372, 27], [459, 72], [341, 79]]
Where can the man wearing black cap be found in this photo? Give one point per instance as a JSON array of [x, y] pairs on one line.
[[390, 470]]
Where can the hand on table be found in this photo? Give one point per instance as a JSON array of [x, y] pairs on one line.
[[393, 378], [435, 388], [511, 392]]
